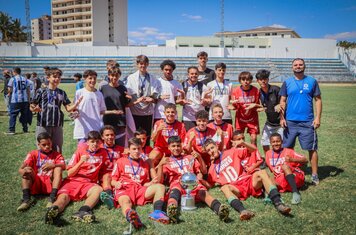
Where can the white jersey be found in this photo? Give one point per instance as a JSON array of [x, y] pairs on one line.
[[194, 96], [221, 95], [168, 88], [89, 113]]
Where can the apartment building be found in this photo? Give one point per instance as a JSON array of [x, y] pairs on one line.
[[101, 22], [41, 28]]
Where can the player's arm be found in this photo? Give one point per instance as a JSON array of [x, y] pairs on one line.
[[25, 171], [73, 107], [318, 107], [282, 104], [75, 169], [297, 158], [164, 160], [157, 131]]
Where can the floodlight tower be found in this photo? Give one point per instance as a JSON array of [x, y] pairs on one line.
[[28, 22], [222, 24]]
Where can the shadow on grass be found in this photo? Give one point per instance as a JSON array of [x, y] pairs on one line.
[[325, 171]]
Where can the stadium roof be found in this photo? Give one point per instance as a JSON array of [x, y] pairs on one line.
[[265, 29]]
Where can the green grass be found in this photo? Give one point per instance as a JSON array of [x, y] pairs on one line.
[[326, 209]]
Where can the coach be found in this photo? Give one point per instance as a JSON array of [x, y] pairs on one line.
[[297, 116]]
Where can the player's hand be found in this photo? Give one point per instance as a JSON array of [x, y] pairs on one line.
[[84, 158], [161, 127], [283, 123], [126, 151], [149, 100], [262, 109], [195, 154], [288, 159], [27, 174], [35, 108], [277, 108], [250, 169], [220, 132], [237, 143], [117, 112], [231, 107], [164, 160], [48, 166], [181, 93], [118, 185], [128, 96], [316, 123], [139, 100], [250, 106], [191, 136]]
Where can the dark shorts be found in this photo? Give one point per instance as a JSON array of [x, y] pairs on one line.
[[305, 132]]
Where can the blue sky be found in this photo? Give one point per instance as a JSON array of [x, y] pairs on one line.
[[154, 21]]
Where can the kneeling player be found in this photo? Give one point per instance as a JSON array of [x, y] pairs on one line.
[[41, 172], [86, 167], [132, 186], [237, 182], [162, 130], [285, 163], [173, 168]]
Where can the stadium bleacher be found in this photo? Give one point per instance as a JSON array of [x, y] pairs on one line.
[[324, 70]]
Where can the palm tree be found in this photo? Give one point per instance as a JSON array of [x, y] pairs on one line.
[[17, 31], [5, 26]]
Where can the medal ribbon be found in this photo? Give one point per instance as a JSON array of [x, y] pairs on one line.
[[39, 163], [274, 163], [133, 169], [170, 131], [219, 165], [110, 154], [221, 91], [180, 165], [245, 98], [201, 140]]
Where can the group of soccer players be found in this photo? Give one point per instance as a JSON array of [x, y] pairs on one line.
[[101, 169]]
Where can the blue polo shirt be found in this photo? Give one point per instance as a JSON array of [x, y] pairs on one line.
[[300, 94]]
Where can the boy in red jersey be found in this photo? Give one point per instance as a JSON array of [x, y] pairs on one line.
[[245, 100], [196, 136], [172, 168], [227, 170], [41, 172], [162, 130], [142, 135], [86, 167], [253, 161], [114, 152], [218, 123], [285, 163], [132, 186]]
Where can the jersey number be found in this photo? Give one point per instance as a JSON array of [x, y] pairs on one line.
[[21, 85], [230, 174]]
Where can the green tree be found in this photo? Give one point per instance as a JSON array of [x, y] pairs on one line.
[[5, 26], [17, 31], [347, 44]]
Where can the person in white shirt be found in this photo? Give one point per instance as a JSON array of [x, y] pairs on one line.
[[171, 89], [144, 89], [221, 92]]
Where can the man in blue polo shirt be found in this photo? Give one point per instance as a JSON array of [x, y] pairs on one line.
[[297, 115]]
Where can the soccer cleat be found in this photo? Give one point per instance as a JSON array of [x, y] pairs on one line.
[[315, 179], [283, 209], [107, 199], [246, 215], [84, 216], [296, 198], [51, 214], [172, 212], [133, 218], [223, 212], [159, 216], [25, 205], [10, 133]]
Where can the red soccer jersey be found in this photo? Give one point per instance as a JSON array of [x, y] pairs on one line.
[[227, 129], [199, 140], [175, 129], [115, 152], [130, 171], [275, 160], [178, 166], [229, 169], [251, 159], [92, 168], [242, 97], [36, 159]]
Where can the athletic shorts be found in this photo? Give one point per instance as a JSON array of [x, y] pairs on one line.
[[76, 189], [282, 183], [135, 192], [268, 131], [246, 188], [193, 193], [163, 151], [305, 132], [41, 185], [252, 127]]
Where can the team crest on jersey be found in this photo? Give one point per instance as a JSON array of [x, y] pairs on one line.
[[306, 86]]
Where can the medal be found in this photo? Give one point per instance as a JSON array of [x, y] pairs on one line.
[[136, 174]]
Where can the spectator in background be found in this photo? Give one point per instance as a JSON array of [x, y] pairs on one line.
[[205, 74], [6, 76], [44, 78], [32, 85], [109, 65], [79, 83], [36, 81]]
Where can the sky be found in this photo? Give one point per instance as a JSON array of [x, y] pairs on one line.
[[154, 21]]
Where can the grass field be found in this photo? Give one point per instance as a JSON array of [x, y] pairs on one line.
[[326, 209]]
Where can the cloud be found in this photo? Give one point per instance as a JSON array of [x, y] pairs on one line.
[[148, 36], [342, 36], [192, 17]]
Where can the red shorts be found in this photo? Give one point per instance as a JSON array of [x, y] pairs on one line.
[[41, 185], [135, 192], [253, 127], [246, 188], [282, 183], [76, 189], [194, 192], [163, 150]]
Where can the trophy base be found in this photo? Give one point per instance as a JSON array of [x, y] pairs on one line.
[[188, 203]]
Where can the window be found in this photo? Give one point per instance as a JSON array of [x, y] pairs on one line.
[[262, 46], [250, 46], [255, 34], [248, 35], [241, 46], [282, 35], [183, 45], [274, 34], [267, 34], [198, 45]]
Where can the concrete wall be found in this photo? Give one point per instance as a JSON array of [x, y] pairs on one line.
[[120, 23], [348, 57], [280, 48], [100, 23]]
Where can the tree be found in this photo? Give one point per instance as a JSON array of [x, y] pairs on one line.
[[17, 31], [5, 26], [11, 30], [346, 44]]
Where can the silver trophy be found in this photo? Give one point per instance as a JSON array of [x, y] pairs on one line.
[[188, 181]]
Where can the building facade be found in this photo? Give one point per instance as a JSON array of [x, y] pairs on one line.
[[101, 22], [41, 28]]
